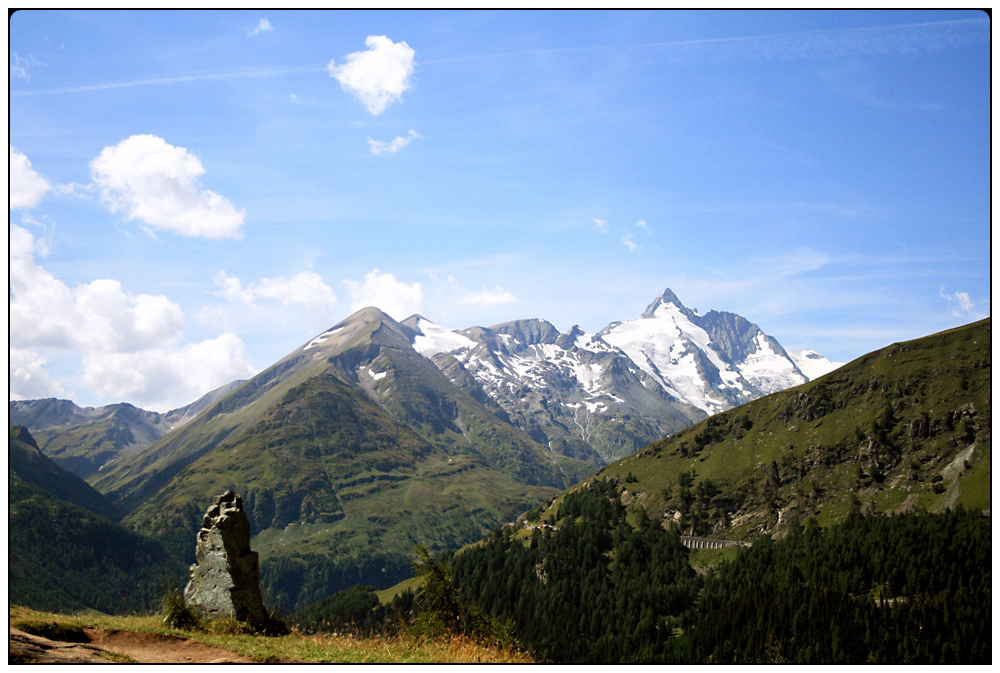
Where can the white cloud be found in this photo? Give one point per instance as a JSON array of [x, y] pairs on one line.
[[162, 379], [232, 288], [306, 288], [98, 316], [23, 67], [381, 290], [129, 343], [377, 77], [457, 293], [601, 226], [966, 308], [626, 240], [642, 224], [489, 298], [264, 26], [27, 187], [28, 378], [155, 182], [398, 143]]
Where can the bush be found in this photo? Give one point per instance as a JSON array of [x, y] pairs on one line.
[[176, 613]]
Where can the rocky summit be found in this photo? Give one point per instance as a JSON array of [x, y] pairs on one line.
[[225, 582]]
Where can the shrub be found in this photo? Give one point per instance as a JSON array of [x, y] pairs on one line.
[[176, 613]]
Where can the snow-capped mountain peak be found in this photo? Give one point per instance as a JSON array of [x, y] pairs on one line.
[[630, 383]]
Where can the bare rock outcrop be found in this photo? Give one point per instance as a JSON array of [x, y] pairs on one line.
[[225, 582]]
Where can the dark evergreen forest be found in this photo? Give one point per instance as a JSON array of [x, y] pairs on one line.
[[911, 588], [603, 583]]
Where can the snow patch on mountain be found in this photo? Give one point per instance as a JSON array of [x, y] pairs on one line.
[[433, 339], [321, 338], [666, 345], [769, 371], [812, 364]]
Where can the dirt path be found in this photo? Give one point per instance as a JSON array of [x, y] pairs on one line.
[[141, 647]]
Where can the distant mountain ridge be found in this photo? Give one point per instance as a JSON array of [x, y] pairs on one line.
[[84, 440], [593, 397], [602, 396]]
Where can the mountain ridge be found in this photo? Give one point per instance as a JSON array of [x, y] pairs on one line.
[[905, 427]]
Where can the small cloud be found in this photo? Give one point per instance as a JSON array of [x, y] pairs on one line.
[[490, 298], [305, 288], [27, 187], [23, 68], [966, 308], [376, 77], [398, 143], [263, 27], [626, 240], [601, 226], [381, 290], [458, 294], [156, 183], [232, 289], [75, 189], [642, 224]]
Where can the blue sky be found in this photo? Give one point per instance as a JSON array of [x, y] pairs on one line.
[[195, 194]]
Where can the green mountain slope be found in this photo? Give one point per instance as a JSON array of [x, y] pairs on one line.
[[348, 453], [368, 350], [30, 465], [337, 492], [64, 558], [904, 427]]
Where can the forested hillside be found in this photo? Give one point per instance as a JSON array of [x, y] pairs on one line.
[[62, 557], [588, 587]]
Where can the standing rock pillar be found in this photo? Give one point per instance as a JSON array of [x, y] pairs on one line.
[[225, 582]]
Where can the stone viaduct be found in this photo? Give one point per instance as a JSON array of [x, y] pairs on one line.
[[710, 543]]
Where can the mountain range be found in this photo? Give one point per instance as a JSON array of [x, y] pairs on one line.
[[601, 396], [907, 427], [379, 435]]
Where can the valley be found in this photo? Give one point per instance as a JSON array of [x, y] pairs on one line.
[[377, 437]]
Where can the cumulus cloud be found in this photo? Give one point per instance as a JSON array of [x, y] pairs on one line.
[[27, 187], [488, 298], [381, 290], [376, 77], [398, 143], [157, 378], [129, 343], [157, 183], [306, 289], [95, 316], [28, 378], [601, 226], [962, 305], [264, 26], [626, 240], [642, 224]]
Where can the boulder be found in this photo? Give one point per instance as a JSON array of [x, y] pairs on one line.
[[225, 582]]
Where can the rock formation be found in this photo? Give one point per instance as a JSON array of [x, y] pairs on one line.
[[225, 582]]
